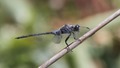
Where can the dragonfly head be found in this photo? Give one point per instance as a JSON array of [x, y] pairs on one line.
[[76, 28]]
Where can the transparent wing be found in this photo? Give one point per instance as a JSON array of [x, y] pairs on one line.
[[57, 38], [84, 30], [81, 32]]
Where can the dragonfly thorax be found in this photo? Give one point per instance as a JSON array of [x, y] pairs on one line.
[[66, 29]]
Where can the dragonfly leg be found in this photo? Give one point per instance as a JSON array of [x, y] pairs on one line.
[[67, 39], [74, 36]]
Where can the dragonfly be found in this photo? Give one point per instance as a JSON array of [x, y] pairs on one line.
[[73, 30]]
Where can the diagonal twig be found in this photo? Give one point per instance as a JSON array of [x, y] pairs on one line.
[[80, 40]]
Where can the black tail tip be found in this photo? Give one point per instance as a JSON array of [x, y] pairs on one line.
[[17, 38]]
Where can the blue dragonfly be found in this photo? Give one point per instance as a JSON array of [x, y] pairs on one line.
[[73, 30]]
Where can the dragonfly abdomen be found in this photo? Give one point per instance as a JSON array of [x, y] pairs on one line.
[[31, 35]]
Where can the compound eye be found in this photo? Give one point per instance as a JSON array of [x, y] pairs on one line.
[[77, 26]]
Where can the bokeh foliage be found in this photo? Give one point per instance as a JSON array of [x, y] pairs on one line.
[[21, 17]]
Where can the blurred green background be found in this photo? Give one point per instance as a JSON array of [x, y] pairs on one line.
[[22, 17]]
